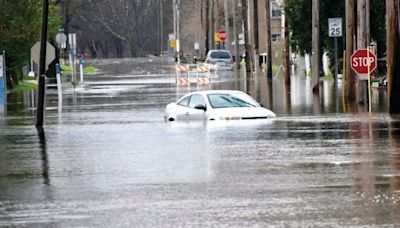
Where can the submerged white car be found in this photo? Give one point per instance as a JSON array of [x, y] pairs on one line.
[[216, 105]]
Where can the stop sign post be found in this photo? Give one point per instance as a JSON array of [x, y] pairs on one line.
[[363, 62], [222, 35]]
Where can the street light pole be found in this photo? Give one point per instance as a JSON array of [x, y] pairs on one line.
[[42, 68]]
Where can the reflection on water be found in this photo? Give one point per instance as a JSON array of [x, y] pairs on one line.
[[45, 159], [111, 159]]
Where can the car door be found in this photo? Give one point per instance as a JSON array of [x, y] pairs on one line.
[[193, 113], [185, 108], [182, 108]]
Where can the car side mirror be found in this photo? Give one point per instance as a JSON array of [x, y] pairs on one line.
[[201, 107]]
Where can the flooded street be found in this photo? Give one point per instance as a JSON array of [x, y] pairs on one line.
[[110, 160]]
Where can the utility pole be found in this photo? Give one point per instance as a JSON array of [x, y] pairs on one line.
[[287, 56], [315, 46], [236, 33], [202, 34], [255, 33], [268, 34], [207, 26], [227, 28], [246, 38], [161, 27], [350, 79], [212, 25], [362, 43], [393, 55], [42, 68], [178, 39], [174, 25]]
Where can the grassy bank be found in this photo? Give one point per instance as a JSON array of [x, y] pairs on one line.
[[86, 70], [24, 85]]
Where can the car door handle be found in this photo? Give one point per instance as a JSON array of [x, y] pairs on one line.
[[187, 113]]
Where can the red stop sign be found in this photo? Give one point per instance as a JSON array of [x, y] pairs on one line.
[[222, 35], [359, 61]]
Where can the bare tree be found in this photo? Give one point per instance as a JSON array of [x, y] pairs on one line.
[[116, 28]]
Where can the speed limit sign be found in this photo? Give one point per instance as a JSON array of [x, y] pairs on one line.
[[335, 27]]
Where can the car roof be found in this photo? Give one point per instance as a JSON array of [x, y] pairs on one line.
[[206, 92], [219, 50]]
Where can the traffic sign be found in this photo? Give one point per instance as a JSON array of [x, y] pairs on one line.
[[222, 35], [61, 38], [335, 27], [50, 53], [172, 43], [360, 61], [216, 37]]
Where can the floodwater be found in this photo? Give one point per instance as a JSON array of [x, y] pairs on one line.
[[108, 158]]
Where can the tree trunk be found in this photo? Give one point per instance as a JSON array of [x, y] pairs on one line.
[[393, 55], [315, 46], [207, 18], [212, 45], [255, 30], [246, 38], [268, 35], [236, 33], [287, 57], [350, 79], [227, 28]]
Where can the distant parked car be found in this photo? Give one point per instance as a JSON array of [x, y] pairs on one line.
[[219, 60], [216, 105]]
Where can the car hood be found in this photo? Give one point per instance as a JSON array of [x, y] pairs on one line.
[[241, 113]]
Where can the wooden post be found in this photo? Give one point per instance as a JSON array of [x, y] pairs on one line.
[[268, 35], [393, 55], [350, 79], [315, 45]]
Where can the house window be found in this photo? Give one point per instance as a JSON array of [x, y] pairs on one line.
[[276, 37], [276, 10]]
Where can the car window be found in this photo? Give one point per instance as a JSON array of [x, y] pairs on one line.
[[231, 100], [196, 100], [184, 102], [220, 55]]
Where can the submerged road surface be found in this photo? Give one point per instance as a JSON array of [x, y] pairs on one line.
[[110, 160]]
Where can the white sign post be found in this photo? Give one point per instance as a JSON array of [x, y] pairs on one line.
[[72, 56], [3, 96], [1, 66]]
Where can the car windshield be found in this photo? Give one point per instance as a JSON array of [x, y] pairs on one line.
[[225, 100], [220, 55]]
